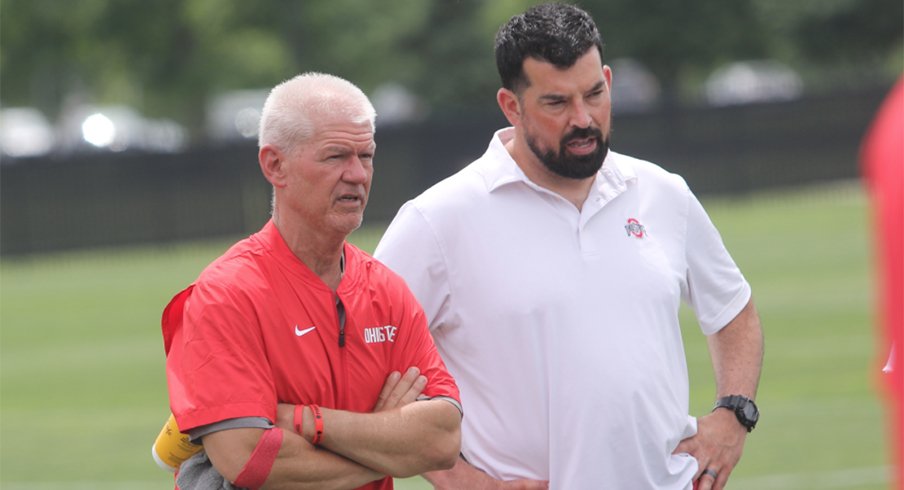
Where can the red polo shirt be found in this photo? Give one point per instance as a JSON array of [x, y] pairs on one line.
[[259, 327]]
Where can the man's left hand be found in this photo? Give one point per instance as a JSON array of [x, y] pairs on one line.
[[400, 389], [717, 447]]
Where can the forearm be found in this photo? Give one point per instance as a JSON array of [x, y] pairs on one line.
[[737, 354], [406, 441], [298, 464]]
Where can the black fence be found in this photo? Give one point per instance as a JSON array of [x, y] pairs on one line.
[[103, 199]]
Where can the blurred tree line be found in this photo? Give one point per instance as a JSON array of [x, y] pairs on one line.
[[167, 57]]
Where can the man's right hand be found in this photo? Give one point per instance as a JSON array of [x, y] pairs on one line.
[[463, 475]]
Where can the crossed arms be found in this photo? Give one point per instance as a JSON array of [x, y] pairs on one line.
[[399, 438]]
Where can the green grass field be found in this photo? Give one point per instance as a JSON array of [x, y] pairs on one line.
[[82, 365]]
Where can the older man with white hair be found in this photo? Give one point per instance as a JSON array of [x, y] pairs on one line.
[[295, 357]]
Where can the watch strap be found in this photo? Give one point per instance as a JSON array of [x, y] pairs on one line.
[[737, 403]]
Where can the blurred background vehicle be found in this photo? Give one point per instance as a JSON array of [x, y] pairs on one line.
[[24, 132], [396, 104], [748, 82], [634, 87], [234, 115], [117, 128]]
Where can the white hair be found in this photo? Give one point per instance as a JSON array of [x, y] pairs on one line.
[[292, 109]]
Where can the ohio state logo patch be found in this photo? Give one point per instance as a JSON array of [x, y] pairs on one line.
[[635, 229]]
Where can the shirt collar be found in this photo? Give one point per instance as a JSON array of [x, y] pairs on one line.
[[614, 177], [500, 169], [276, 244]]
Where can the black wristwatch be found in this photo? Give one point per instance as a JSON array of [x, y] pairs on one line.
[[744, 408]]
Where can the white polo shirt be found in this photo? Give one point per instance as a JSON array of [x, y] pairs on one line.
[[561, 326]]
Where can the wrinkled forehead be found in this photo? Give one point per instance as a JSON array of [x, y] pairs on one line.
[[338, 129], [335, 109]]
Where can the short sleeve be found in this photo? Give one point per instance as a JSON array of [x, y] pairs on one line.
[[418, 349], [220, 360], [410, 248], [717, 290]]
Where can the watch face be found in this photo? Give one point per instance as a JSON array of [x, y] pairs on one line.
[[750, 412]]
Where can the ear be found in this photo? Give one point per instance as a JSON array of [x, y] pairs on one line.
[[273, 165], [607, 74], [510, 105]]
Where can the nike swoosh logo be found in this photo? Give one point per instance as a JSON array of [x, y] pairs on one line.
[[300, 332]]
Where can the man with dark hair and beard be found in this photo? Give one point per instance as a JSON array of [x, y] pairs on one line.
[[552, 270]]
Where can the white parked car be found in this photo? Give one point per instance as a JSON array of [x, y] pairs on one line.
[[235, 115], [634, 88], [24, 132], [747, 82], [118, 128]]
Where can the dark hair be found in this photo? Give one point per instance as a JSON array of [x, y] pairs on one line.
[[556, 33]]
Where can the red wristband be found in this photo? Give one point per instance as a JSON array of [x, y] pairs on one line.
[[298, 418], [318, 425], [258, 467]]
